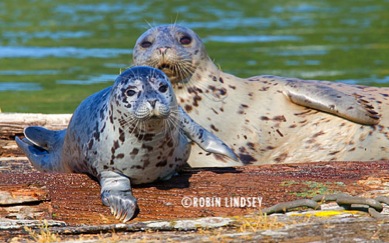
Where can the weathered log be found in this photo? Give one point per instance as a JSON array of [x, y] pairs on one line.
[[75, 200], [12, 124]]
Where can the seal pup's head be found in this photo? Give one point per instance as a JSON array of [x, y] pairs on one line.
[[174, 49], [143, 93]]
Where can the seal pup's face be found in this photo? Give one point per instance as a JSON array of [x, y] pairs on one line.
[[143, 93], [174, 49]]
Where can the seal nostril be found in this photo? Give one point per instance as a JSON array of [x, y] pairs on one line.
[[152, 103], [163, 50]]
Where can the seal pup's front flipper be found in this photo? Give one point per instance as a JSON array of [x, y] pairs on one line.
[[43, 148], [116, 193], [325, 98], [206, 140]]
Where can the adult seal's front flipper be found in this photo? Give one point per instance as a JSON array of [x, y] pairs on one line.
[[322, 97], [206, 140]]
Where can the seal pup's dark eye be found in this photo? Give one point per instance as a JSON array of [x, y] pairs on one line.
[[130, 92], [145, 44], [185, 40], [163, 88]]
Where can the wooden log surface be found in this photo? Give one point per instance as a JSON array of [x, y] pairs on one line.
[[71, 203], [14, 123], [74, 198]]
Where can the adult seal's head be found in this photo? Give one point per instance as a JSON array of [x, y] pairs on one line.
[[174, 49], [133, 132]]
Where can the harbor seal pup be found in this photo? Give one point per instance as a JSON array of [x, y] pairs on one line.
[[133, 132], [268, 119]]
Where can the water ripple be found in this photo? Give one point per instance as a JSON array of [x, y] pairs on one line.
[[255, 38], [72, 52], [19, 86]]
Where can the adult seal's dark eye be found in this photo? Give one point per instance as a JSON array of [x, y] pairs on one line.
[[145, 44], [130, 92], [163, 88], [185, 40]]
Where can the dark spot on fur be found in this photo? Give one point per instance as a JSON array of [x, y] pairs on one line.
[[188, 108], [122, 135], [281, 157], [148, 137], [214, 111], [170, 144], [161, 163], [333, 153], [196, 99], [232, 87], [214, 128], [116, 144], [221, 80], [279, 133], [279, 118], [250, 145], [246, 158], [134, 151], [149, 148], [222, 91], [120, 156], [265, 88], [90, 144], [318, 134], [136, 167], [264, 118]]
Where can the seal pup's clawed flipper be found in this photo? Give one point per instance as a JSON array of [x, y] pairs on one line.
[[43, 147], [116, 194], [321, 97], [203, 138]]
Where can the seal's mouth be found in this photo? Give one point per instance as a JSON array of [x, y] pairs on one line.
[[169, 71]]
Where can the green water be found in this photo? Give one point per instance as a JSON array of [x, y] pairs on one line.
[[53, 54]]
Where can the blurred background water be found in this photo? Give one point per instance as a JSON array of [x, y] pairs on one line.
[[53, 54]]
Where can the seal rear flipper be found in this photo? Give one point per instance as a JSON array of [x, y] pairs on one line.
[[39, 157], [203, 138], [325, 98], [44, 138]]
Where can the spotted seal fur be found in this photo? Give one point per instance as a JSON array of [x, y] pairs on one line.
[[133, 132], [268, 119]]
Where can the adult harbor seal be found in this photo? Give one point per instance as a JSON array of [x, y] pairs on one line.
[[268, 119], [132, 132]]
